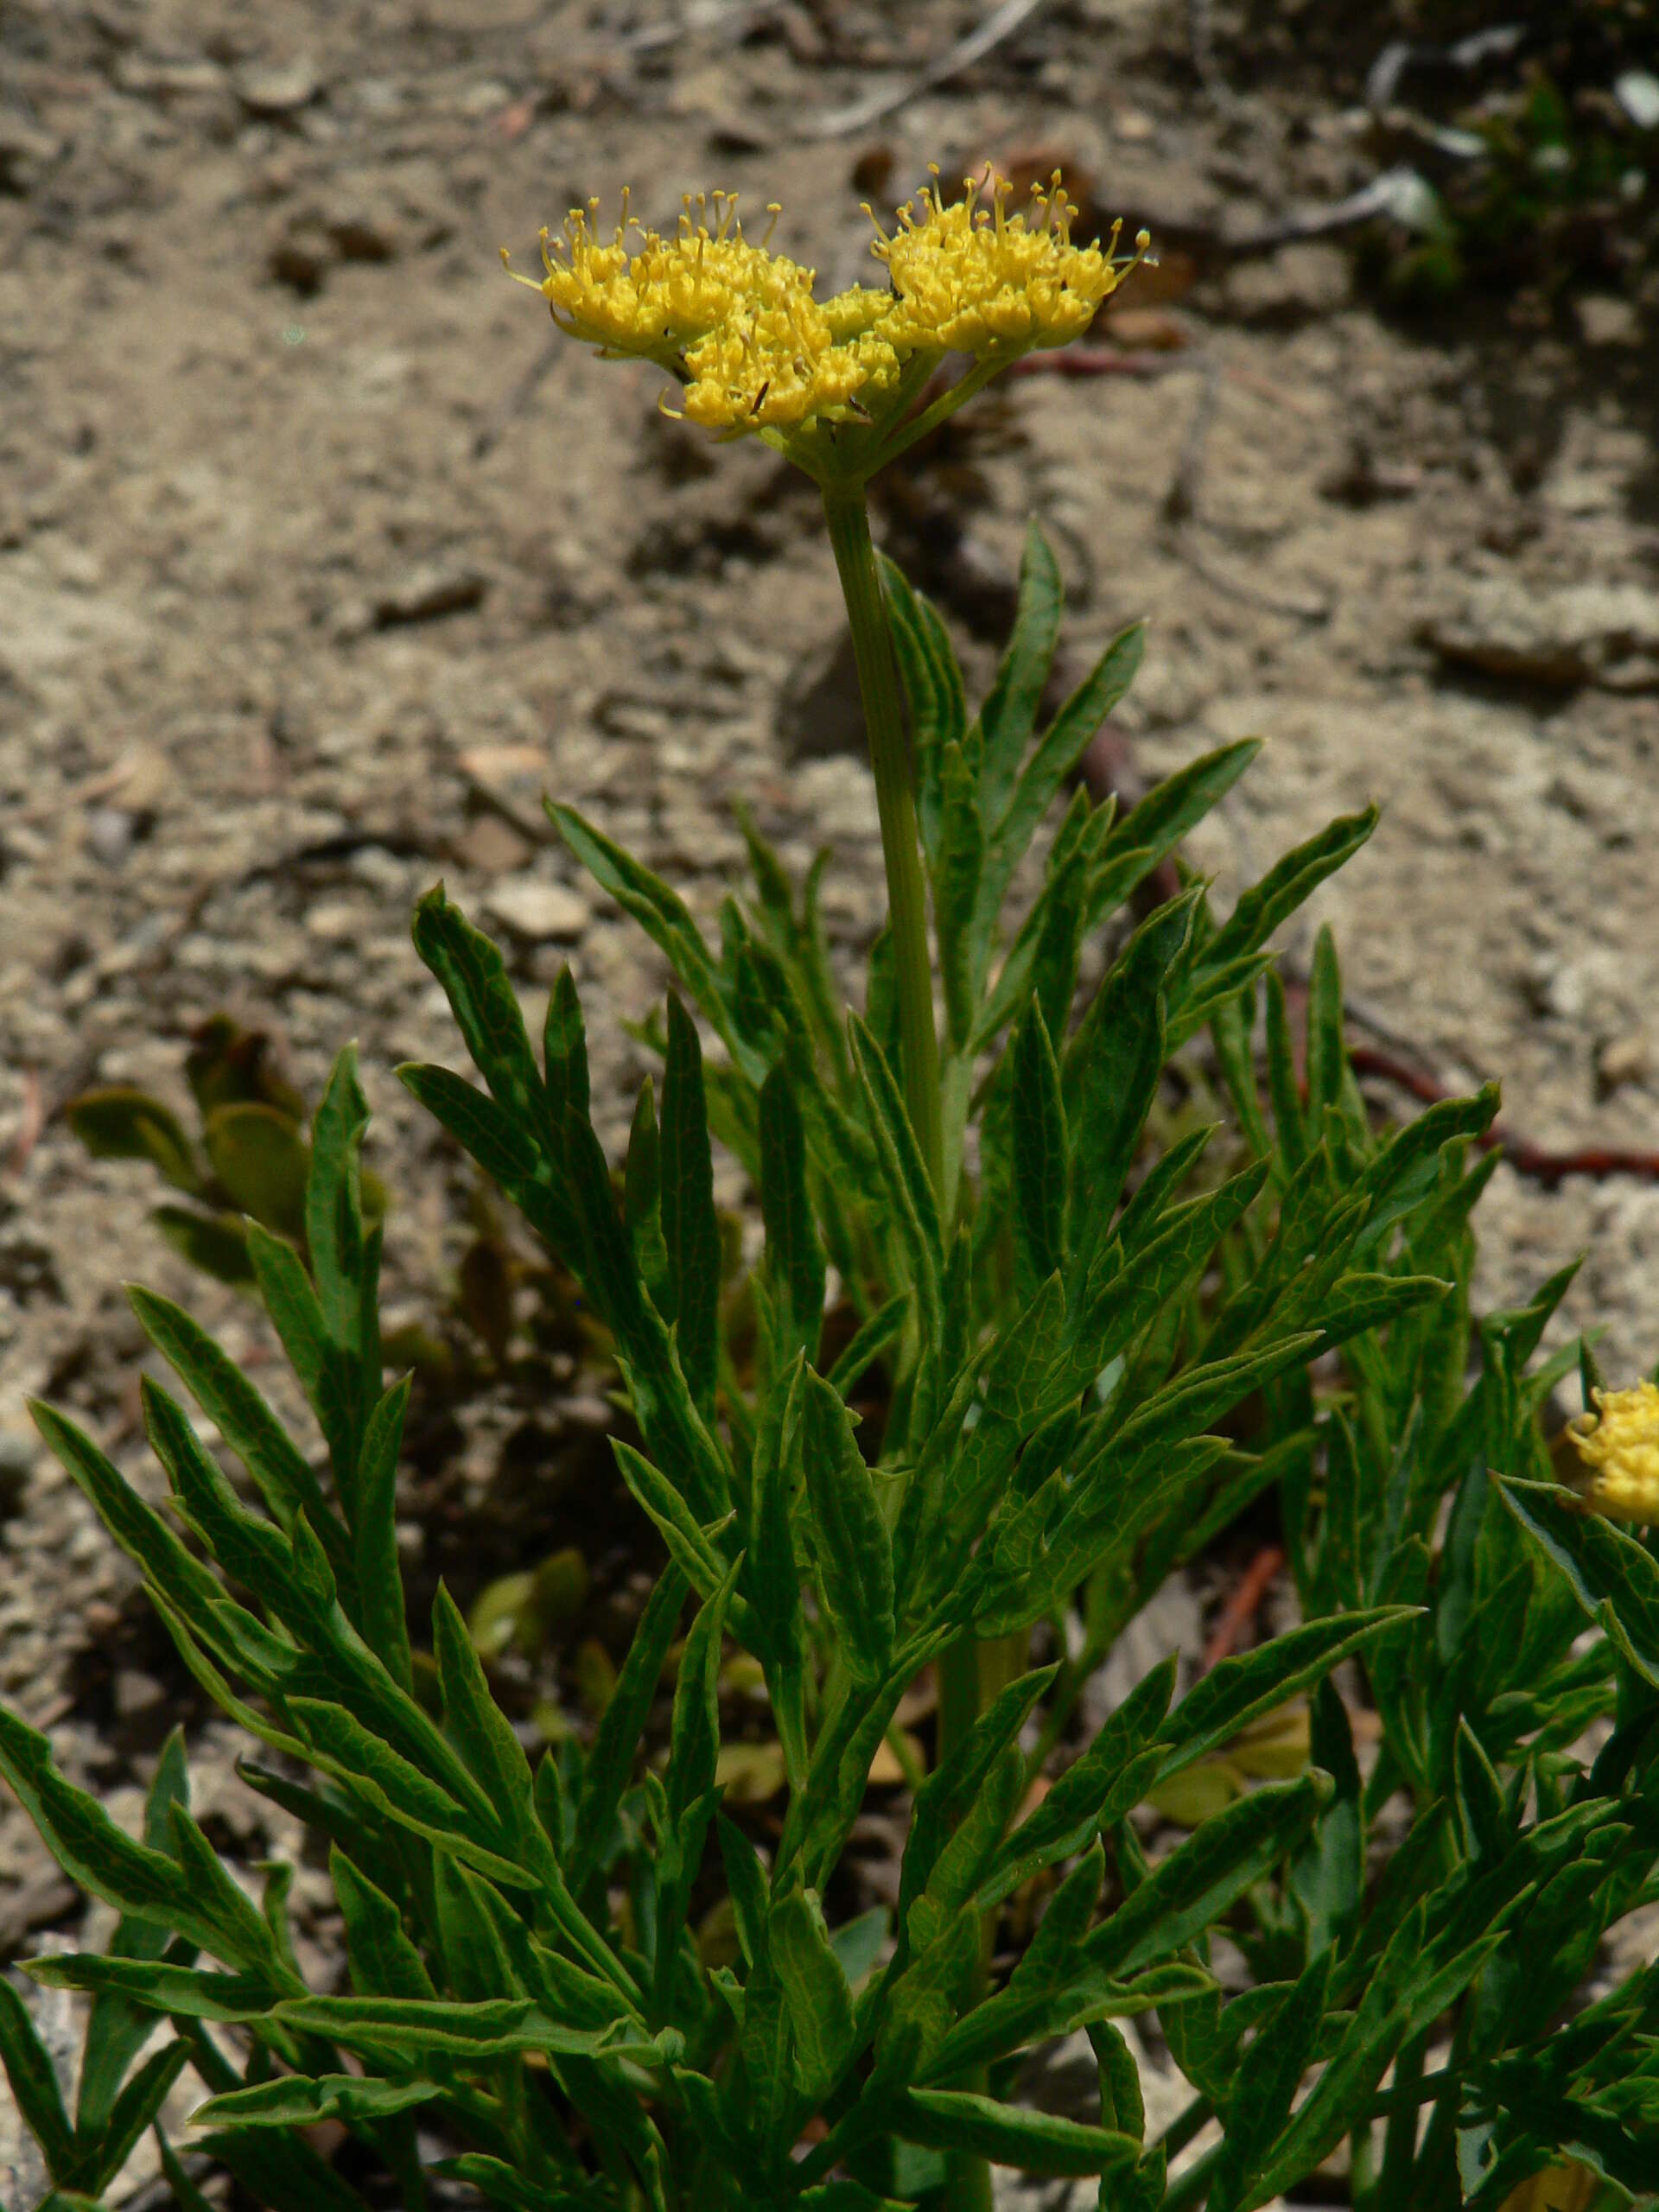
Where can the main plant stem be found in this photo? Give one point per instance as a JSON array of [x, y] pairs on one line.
[[961, 1686], [895, 797]]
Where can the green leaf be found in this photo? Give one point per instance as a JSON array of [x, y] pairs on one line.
[[774, 1579], [642, 1200], [161, 1985], [1113, 1066], [247, 1545], [1614, 1578], [369, 1769], [342, 1252], [1009, 714], [617, 1739], [1062, 745], [261, 1161], [849, 1538], [1241, 1690], [960, 1777], [1041, 1162], [1361, 1302], [815, 1994], [1123, 2106], [486, 1011], [1286, 2046], [909, 1189], [503, 2183], [564, 1054], [924, 2001], [1153, 829], [956, 893], [279, 2171], [118, 2030], [147, 1540], [1409, 1169], [135, 2109], [407, 2029], [675, 1431], [247, 1423], [933, 691], [1043, 957], [300, 2100], [689, 1544], [659, 912], [507, 1151], [118, 1123], [1161, 1272], [869, 1342], [1189, 1890], [1011, 2135], [481, 1732], [295, 1312], [859, 1943], [383, 1961], [795, 1259], [1286, 886], [690, 1227], [141, 1882], [1328, 1878], [746, 1884], [1406, 1994], [694, 1732], [1098, 1789], [34, 2085], [380, 1572]]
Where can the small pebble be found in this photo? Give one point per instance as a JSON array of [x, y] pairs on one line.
[[534, 909]]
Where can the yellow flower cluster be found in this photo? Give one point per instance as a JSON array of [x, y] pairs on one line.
[[1619, 1444], [972, 279], [658, 297], [739, 326]]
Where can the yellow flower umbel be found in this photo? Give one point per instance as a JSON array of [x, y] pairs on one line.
[[1619, 1445], [969, 278], [831, 384]]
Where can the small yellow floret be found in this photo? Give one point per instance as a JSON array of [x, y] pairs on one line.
[[1619, 1444], [972, 278]]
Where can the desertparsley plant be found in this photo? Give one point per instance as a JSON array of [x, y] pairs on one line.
[[1084, 1342]]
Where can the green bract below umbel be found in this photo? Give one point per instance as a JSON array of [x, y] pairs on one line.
[[1080, 1353]]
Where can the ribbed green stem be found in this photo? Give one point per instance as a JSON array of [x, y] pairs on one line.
[[877, 682], [968, 2186]]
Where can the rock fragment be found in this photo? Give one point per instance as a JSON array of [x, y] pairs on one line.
[[536, 910], [1573, 634]]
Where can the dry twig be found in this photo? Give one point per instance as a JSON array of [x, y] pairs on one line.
[[1540, 1163], [837, 122]]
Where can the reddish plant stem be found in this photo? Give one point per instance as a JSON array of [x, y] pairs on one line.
[[1243, 1606], [1538, 1161]]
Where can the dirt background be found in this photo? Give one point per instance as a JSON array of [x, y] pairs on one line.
[[320, 558]]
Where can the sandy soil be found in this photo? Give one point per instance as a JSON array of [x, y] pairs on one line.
[[310, 581]]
